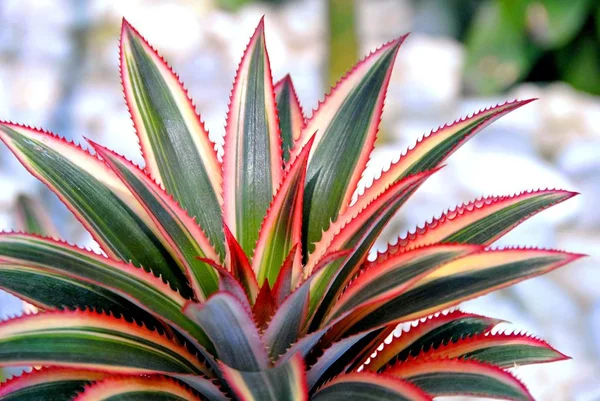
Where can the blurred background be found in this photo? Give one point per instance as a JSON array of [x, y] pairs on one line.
[[59, 70]]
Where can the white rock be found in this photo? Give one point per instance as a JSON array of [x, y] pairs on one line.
[[428, 72]]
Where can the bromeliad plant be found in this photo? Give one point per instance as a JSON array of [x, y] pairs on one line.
[[248, 278]]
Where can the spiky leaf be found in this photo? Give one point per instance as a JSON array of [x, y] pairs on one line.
[[173, 140], [252, 163]]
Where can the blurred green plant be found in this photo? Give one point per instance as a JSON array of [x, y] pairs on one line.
[[342, 40], [233, 5], [543, 40]]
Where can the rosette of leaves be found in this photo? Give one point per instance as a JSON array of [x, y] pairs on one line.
[[247, 278]]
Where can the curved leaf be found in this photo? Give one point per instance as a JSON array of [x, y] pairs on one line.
[[369, 386], [503, 350], [183, 236], [331, 356], [48, 384], [482, 221], [92, 192], [466, 278], [379, 282], [432, 149], [173, 140], [282, 228], [252, 162], [137, 388], [446, 377], [230, 327], [91, 340], [291, 116], [283, 383], [239, 266], [43, 259], [346, 124], [357, 235], [428, 334]]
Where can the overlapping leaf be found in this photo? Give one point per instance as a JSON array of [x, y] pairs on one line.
[[482, 221], [283, 383], [32, 266], [137, 388], [428, 334], [291, 116], [93, 192], [446, 377], [174, 142], [91, 340], [252, 163], [431, 150], [371, 387], [183, 236], [465, 278], [48, 384], [346, 124]]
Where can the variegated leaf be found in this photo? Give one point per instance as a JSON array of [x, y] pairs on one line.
[[357, 235], [30, 264], [181, 233], [430, 333], [282, 228], [48, 384], [230, 327], [369, 386], [137, 388], [466, 278], [91, 340], [173, 140], [252, 162], [431, 150], [93, 192], [482, 221], [501, 349], [346, 124], [291, 116], [282, 383], [447, 377]]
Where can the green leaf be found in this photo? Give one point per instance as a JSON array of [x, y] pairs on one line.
[[47, 262], [465, 278], [430, 334], [501, 349], [498, 50], [331, 357], [357, 235], [230, 327], [283, 383], [48, 384], [291, 116], [93, 192], [378, 282], [431, 150], [151, 388], [282, 228], [454, 377], [90, 340], [33, 218], [252, 162], [369, 386], [346, 125], [173, 140], [182, 234], [481, 221]]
